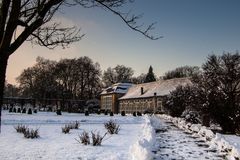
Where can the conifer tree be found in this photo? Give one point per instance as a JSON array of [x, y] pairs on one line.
[[150, 76]]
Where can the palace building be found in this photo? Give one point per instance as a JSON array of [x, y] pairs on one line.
[[144, 98], [110, 96]]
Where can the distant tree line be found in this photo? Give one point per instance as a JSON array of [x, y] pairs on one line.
[[214, 94], [79, 78]]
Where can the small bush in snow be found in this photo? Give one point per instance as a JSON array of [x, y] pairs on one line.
[[74, 125], [10, 110], [134, 114], [83, 138], [31, 133], [97, 138], [14, 110], [98, 112], [20, 128], [19, 110], [24, 110], [66, 129], [29, 111], [112, 127], [123, 113], [86, 113], [106, 113], [35, 110], [191, 116], [59, 112], [111, 113], [139, 114]]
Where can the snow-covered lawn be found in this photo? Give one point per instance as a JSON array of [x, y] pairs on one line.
[[134, 139]]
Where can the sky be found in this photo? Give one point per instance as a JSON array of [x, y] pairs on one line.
[[191, 30]]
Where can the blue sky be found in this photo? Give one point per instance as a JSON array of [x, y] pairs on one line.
[[192, 30]]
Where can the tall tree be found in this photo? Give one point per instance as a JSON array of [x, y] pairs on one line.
[[185, 71], [11, 90], [38, 81], [150, 77], [139, 79], [220, 83], [33, 17], [118, 74]]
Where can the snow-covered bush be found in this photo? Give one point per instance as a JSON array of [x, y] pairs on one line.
[[10, 110], [106, 112], [14, 110], [112, 127], [19, 110], [66, 129], [86, 113], [31, 133], [59, 112], [29, 111], [134, 114], [123, 113], [35, 110], [24, 110], [83, 138], [177, 101], [20, 128], [98, 112], [111, 114], [191, 116], [139, 114], [97, 138], [74, 125]]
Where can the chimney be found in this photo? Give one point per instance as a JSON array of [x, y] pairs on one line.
[[141, 90]]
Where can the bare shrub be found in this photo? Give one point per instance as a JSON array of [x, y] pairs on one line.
[[97, 138], [74, 125], [83, 138], [66, 129], [20, 128], [31, 133], [112, 127]]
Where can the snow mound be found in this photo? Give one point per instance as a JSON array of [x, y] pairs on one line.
[[142, 149], [228, 144]]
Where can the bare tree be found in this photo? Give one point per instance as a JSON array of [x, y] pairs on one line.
[[118, 74], [33, 18]]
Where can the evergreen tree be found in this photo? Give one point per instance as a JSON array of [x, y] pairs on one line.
[[150, 76]]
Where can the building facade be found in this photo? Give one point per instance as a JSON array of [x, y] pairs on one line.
[[148, 97], [110, 96]]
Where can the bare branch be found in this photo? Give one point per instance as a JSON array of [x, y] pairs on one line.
[[132, 21], [55, 35]]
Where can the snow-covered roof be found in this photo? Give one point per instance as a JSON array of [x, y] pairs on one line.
[[161, 88], [121, 88]]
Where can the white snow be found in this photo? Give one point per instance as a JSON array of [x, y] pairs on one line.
[[121, 88], [161, 88], [227, 144], [134, 139], [142, 149]]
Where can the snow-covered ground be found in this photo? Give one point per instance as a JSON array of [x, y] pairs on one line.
[[228, 145], [134, 140]]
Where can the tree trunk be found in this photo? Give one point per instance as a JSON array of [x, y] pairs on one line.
[[3, 68]]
